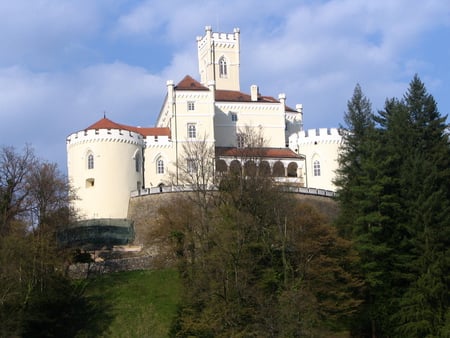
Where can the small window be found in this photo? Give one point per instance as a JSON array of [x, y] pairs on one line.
[[316, 168], [234, 117], [90, 182], [192, 130], [191, 105], [223, 71], [90, 161], [160, 166]]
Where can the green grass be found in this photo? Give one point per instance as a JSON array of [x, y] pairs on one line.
[[135, 304]]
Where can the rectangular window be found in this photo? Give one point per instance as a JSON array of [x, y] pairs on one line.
[[234, 117], [316, 168], [160, 166], [240, 140], [191, 105], [192, 130], [191, 166]]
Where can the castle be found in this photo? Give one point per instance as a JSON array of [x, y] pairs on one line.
[[108, 161]]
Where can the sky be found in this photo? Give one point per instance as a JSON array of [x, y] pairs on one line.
[[66, 63]]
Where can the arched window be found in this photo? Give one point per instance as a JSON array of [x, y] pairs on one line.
[[90, 161], [264, 168], [316, 168], [223, 71], [235, 167], [250, 168], [221, 166], [160, 166], [292, 169], [278, 169]]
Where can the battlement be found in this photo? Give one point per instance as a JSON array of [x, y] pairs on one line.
[[318, 135], [108, 135], [217, 37], [157, 140]]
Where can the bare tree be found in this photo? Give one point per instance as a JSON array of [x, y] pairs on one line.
[[14, 188]]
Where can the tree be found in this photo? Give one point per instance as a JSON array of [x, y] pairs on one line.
[[14, 170], [398, 216], [36, 298], [262, 250], [426, 189], [354, 152]]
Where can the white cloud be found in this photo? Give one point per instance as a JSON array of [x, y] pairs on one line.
[[56, 77]]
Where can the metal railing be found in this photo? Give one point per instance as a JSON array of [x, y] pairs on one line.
[[188, 188]]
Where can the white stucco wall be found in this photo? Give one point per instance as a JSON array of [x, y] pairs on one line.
[[322, 145], [104, 190]]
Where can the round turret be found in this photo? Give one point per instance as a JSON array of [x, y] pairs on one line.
[[104, 164]]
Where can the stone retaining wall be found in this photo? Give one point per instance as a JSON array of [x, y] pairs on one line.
[[86, 270]]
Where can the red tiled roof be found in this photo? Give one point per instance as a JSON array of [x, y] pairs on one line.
[[188, 83], [257, 152], [106, 123], [234, 95]]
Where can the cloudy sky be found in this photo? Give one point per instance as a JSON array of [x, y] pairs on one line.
[[63, 63]]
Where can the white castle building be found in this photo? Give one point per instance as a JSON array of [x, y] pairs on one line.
[[109, 161]]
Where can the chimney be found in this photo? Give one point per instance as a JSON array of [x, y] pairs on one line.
[[254, 92], [282, 98]]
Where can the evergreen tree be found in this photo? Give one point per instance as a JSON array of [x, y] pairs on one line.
[[358, 126], [425, 179], [396, 209]]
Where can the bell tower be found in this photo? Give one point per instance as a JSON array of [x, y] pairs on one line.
[[219, 58]]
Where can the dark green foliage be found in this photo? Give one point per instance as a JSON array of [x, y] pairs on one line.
[[396, 208]]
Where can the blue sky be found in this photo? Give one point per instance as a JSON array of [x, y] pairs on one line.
[[63, 63]]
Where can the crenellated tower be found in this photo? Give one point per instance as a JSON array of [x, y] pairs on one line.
[[219, 59]]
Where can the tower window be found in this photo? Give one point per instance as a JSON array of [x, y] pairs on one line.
[[90, 161], [316, 168], [160, 166], [223, 71], [191, 105], [192, 130]]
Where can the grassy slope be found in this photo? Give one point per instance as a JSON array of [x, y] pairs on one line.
[[139, 303]]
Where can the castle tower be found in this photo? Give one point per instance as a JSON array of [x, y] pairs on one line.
[[320, 147], [105, 163], [219, 59]]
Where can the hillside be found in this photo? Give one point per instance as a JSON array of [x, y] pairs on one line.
[[143, 210]]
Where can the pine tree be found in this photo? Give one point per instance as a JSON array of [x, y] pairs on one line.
[[395, 200], [426, 190], [355, 147]]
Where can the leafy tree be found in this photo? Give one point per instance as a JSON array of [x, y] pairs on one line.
[[271, 266]]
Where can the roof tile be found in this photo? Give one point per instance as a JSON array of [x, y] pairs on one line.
[[106, 123], [257, 152]]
